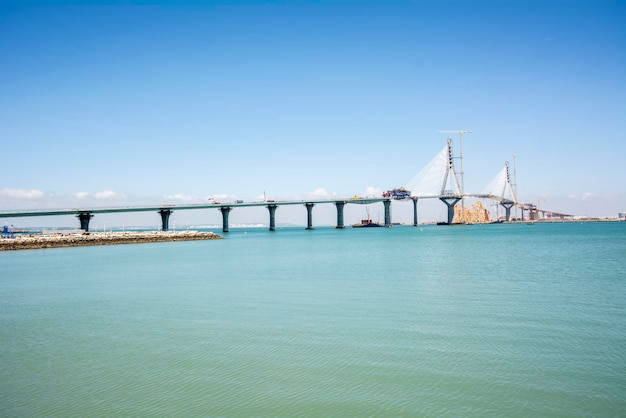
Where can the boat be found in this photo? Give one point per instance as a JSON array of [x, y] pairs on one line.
[[367, 223]]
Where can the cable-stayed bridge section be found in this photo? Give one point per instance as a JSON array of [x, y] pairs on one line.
[[501, 190], [438, 180]]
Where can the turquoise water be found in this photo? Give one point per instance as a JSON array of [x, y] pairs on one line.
[[469, 321]]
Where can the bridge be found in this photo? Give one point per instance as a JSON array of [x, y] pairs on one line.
[[437, 180], [85, 214]]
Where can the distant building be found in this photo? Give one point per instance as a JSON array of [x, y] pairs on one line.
[[622, 216]]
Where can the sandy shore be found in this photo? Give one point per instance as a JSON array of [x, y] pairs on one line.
[[26, 242]]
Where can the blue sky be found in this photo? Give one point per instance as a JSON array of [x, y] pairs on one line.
[[125, 103]]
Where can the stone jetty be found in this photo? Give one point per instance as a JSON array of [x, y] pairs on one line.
[[26, 242]]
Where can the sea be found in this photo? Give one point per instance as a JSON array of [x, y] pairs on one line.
[[499, 320]]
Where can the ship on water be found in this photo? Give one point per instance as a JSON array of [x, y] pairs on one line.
[[367, 223]]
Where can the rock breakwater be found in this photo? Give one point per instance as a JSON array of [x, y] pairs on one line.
[[26, 242]]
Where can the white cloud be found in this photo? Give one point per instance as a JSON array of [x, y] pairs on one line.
[[584, 196], [179, 197], [373, 192], [109, 195], [21, 194], [81, 195], [182, 197], [319, 193]]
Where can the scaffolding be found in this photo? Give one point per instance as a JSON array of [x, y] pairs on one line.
[[474, 214]]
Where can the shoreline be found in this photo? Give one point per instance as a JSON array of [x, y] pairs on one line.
[[31, 242]]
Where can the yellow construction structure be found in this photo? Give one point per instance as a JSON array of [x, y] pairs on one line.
[[474, 214]]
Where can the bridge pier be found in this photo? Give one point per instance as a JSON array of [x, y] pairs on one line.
[[507, 205], [450, 201], [387, 204], [84, 218], [272, 209], [340, 206], [225, 211], [309, 215], [165, 219], [414, 210]]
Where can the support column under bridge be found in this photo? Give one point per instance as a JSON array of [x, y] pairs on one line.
[[507, 205], [387, 204], [414, 210], [165, 219], [225, 211], [340, 206], [84, 218], [272, 209], [450, 202], [309, 215]]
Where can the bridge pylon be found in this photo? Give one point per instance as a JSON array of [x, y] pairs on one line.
[[450, 192], [501, 189], [438, 179], [450, 202], [507, 205]]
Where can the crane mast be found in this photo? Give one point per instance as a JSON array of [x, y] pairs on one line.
[[515, 180]]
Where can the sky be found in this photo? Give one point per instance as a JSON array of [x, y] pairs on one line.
[[131, 103]]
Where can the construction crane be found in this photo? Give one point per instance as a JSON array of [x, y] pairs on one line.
[[515, 185], [462, 173]]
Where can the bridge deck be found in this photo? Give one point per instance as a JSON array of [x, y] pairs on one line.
[[157, 208], [152, 208]]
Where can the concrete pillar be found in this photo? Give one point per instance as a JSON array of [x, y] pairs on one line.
[[414, 210], [225, 211], [84, 218], [309, 215], [450, 202], [387, 204], [165, 219], [507, 207], [272, 209], [340, 206]]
